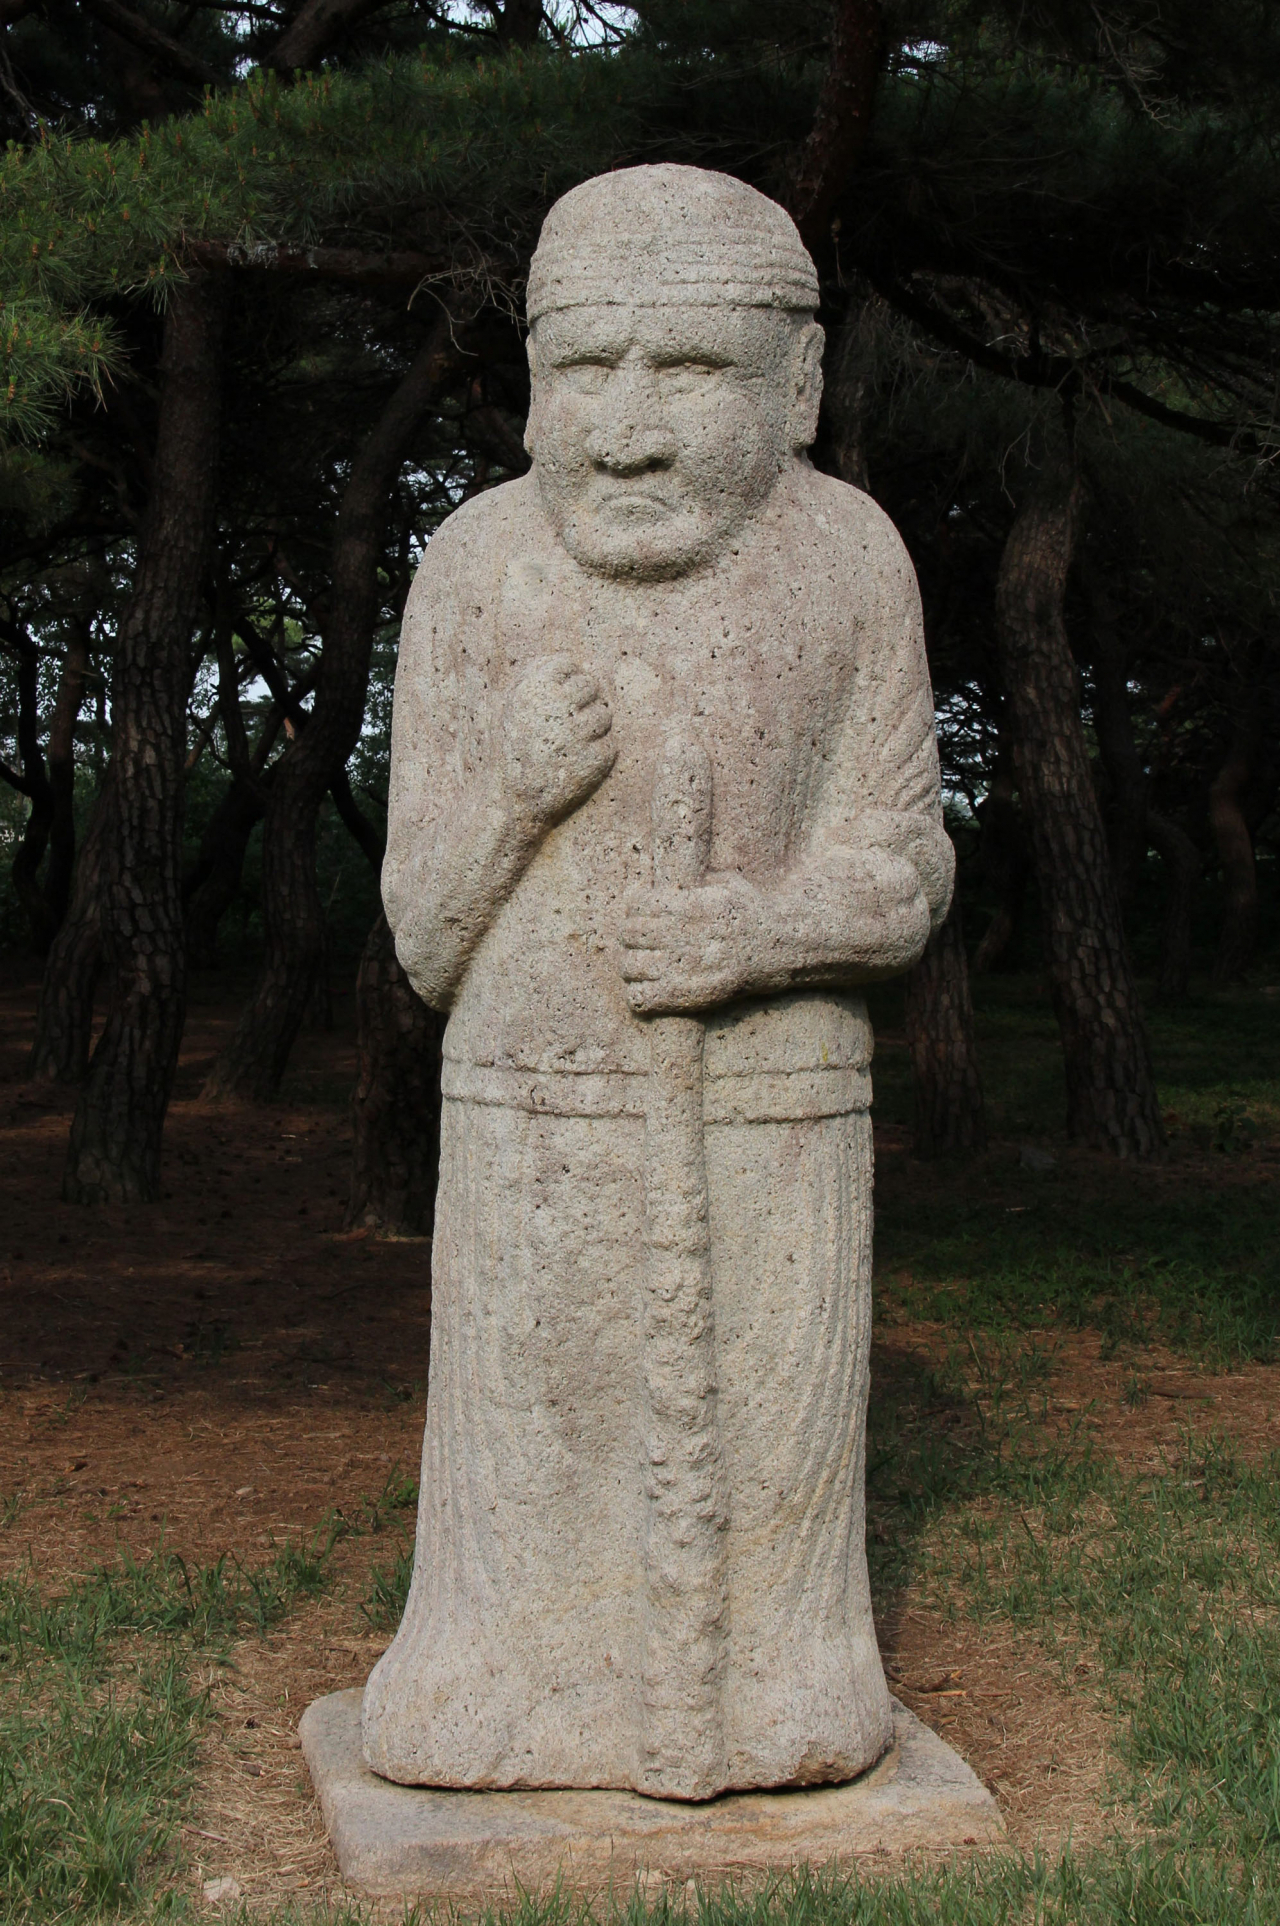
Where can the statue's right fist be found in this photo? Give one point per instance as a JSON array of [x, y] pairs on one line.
[[555, 738]]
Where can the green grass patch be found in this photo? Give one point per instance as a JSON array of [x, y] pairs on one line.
[[1142, 1888], [384, 1601], [1213, 1049], [1136, 1260], [1186, 1253], [1168, 1583], [99, 1720], [162, 1593], [1173, 1583]]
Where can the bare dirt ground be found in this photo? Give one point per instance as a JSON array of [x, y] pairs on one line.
[[223, 1370]]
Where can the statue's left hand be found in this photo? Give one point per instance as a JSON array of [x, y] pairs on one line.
[[689, 949]]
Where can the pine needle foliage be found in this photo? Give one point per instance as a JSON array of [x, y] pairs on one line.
[[456, 159]]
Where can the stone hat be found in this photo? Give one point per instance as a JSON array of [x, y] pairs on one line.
[[656, 236]]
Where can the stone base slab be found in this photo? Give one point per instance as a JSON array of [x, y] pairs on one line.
[[413, 1841]]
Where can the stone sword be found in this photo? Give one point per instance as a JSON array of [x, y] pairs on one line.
[[686, 1513]]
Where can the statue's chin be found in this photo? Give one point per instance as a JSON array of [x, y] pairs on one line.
[[641, 551]]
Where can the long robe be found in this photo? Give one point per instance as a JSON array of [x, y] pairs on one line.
[[799, 662]]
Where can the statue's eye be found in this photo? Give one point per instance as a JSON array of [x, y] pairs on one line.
[[585, 377], [685, 377]]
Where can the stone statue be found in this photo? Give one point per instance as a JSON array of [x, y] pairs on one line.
[[664, 794]]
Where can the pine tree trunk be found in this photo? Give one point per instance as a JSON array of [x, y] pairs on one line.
[[1181, 861], [214, 882], [29, 855], [1238, 938], [255, 1060], [1111, 1095], [1002, 855], [114, 1154], [395, 1108], [1117, 744], [64, 1013], [848, 386], [62, 771], [1135, 825], [950, 1113]]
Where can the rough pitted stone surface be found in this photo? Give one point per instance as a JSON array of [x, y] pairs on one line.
[[407, 1841], [664, 796]]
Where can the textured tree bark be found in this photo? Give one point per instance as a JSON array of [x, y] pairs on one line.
[[1117, 744], [211, 885], [314, 28], [114, 1153], [214, 882], [49, 785], [847, 390], [36, 787], [1111, 1095], [1135, 825], [1238, 938], [950, 1113], [842, 118], [62, 770], [1002, 853], [395, 1107], [255, 1060], [1182, 865], [64, 1013], [519, 23]]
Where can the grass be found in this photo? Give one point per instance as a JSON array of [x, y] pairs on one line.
[[388, 1588], [1186, 1253], [99, 1720], [1168, 1583], [1165, 1584], [1199, 1272]]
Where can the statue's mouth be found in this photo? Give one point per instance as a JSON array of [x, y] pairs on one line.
[[636, 505]]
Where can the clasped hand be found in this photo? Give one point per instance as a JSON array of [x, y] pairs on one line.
[[689, 949]]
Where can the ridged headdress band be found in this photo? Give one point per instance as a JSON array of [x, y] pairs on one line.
[[669, 235]]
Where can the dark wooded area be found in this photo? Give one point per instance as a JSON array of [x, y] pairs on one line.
[[262, 278]]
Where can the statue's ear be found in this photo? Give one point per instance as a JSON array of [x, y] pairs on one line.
[[807, 398]]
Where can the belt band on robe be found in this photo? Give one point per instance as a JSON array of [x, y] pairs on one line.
[[759, 1096]]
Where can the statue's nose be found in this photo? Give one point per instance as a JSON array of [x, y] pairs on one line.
[[631, 447]]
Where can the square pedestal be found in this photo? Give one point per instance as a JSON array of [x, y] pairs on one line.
[[412, 1841]]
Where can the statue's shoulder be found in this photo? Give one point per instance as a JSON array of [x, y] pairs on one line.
[[849, 536], [471, 548]]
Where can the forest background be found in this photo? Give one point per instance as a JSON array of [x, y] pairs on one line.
[[261, 274], [261, 285]]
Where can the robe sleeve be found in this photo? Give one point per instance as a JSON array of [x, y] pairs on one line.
[[882, 789], [441, 719]]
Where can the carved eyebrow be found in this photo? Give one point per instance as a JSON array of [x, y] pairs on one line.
[[587, 358], [692, 358]]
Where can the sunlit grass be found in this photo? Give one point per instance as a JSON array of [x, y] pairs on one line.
[[100, 1717], [1186, 1252], [1167, 1582]]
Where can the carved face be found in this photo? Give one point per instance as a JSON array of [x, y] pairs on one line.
[[656, 432]]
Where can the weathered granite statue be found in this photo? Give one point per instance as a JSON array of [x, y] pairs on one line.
[[664, 794]]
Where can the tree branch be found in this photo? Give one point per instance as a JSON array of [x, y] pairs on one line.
[[1058, 371], [140, 33], [842, 119], [1219, 434], [335, 263], [313, 30], [366, 834], [519, 23]]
